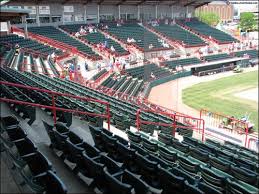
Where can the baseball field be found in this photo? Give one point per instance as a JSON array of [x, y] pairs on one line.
[[235, 95]]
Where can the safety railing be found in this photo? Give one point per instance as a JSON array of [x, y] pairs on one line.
[[253, 139], [53, 106], [226, 123], [178, 121]]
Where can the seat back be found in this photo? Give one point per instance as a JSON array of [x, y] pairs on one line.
[[149, 145], [167, 155], [220, 163], [49, 129], [111, 165], [38, 163], [170, 182], [165, 138], [16, 133], [115, 184], [190, 141], [140, 186], [25, 146], [181, 146], [9, 121], [212, 178], [245, 175], [53, 184], [134, 138]]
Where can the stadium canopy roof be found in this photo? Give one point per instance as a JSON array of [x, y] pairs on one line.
[[8, 13], [196, 3]]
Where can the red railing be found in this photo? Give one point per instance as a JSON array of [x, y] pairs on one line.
[[53, 107], [253, 138], [187, 121], [235, 125]]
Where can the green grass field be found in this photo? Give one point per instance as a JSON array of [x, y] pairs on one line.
[[218, 96]]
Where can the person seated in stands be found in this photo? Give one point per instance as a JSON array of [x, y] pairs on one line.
[[53, 57], [106, 27], [118, 24], [106, 44], [98, 66], [86, 66], [112, 49], [77, 34], [152, 76], [82, 31], [91, 30], [166, 45], [150, 46], [128, 40], [17, 48]]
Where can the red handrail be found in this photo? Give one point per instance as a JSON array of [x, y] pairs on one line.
[[198, 125], [219, 117], [53, 106]]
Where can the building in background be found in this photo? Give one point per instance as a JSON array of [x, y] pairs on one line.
[[224, 10], [241, 6]]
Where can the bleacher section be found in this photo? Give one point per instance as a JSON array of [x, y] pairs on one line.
[[29, 44], [139, 72], [142, 36], [27, 62], [126, 110], [212, 165], [99, 74], [216, 57], [252, 53], [177, 33], [122, 85], [165, 164], [35, 170], [72, 28], [96, 38], [207, 30], [54, 33], [182, 62]]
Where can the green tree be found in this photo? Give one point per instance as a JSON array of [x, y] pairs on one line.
[[247, 21], [209, 18]]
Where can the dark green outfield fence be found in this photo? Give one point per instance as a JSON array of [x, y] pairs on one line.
[[166, 79]]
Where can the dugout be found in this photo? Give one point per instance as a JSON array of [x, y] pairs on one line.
[[218, 66]]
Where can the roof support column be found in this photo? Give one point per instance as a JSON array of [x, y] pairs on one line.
[[187, 10], [98, 13], [25, 26], [37, 15], [119, 10], [156, 12], [85, 13], [138, 12], [172, 11], [8, 27]]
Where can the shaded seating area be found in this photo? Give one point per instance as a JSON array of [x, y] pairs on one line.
[[54, 33], [144, 71], [204, 29], [97, 38], [120, 85], [216, 57], [175, 32], [182, 62], [143, 38], [252, 53], [30, 44]]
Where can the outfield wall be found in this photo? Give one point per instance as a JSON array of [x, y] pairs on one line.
[[166, 79]]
